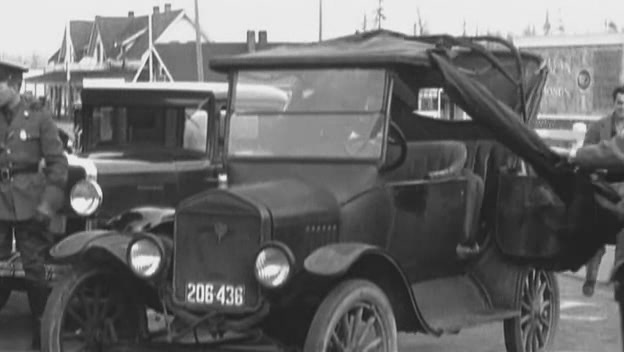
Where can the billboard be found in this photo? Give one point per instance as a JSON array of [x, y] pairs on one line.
[[582, 75]]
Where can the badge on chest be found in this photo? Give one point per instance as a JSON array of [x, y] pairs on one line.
[[23, 135]]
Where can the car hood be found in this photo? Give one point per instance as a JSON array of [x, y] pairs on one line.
[[130, 162], [134, 179], [292, 202]]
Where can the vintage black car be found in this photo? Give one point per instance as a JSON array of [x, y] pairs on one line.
[[137, 147], [347, 215]]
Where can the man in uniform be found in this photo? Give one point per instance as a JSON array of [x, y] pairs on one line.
[[603, 130], [33, 175]]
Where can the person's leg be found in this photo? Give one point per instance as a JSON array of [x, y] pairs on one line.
[[6, 239], [32, 242], [591, 272]]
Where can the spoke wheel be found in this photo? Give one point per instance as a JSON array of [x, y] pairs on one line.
[[355, 317], [534, 329], [91, 310]]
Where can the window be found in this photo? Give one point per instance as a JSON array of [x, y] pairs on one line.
[[435, 103], [195, 129]]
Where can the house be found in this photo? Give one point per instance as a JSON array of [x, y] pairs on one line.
[[111, 47], [180, 59]]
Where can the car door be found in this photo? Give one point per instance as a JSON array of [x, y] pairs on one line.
[[429, 218]]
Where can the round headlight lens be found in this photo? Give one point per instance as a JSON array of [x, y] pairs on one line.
[[85, 197], [272, 267], [145, 257]]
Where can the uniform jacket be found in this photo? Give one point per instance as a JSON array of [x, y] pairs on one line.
[[29, 137], [600, 130]]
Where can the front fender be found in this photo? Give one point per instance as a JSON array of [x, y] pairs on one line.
[[336, 259], [111, 242], [142, 219], [373, 263]]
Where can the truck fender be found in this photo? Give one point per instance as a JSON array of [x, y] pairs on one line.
[[111, 242], [142, 219], [373, 263]]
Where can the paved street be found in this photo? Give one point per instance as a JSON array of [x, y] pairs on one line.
[[586, 325]]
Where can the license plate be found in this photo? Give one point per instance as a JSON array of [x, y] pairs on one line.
[[215, 294]]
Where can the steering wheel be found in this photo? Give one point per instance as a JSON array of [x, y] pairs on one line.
[[396, 137]]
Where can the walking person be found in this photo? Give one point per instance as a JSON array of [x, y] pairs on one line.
[[603, 130], [33, 176]]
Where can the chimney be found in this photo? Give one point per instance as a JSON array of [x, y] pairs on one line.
[[167, 7], [262, 38], [251, 41], [131, 14], [156, 10]]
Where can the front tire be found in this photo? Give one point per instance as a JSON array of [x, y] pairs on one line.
[[534, 330], [355, 316], [90, 310]]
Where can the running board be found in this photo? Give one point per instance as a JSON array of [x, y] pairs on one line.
[[451, 304]]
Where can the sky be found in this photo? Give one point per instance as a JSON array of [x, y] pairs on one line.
[[37, 25]]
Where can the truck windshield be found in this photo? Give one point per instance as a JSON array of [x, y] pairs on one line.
[[330, 113]]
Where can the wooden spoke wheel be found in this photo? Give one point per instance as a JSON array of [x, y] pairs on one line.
[[534, 329], [91, 310], [355, 316]]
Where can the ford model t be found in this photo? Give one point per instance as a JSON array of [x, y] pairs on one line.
[[346, 215]]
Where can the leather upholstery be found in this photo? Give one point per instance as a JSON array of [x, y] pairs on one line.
[[486, 159]]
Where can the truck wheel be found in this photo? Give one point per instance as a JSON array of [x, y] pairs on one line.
[[534, 330], [355, 316], [91, 310]]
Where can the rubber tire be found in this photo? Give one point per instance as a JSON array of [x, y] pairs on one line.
[[56, 305], [511, 327], [337, 303]]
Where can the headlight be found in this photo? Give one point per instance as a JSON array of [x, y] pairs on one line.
[[145, 257], [85, 197], [273, 266]]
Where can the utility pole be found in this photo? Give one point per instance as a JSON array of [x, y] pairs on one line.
[[379, 15], [198, 46], [320, 20], [151, 48]]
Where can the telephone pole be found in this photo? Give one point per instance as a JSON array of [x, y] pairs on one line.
[[320, 38], [198, 46]]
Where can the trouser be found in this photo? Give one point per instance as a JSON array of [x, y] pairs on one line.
[[32, 242], [591, 272]]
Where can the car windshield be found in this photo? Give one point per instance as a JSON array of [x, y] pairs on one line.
[[330, 113], [120, 126]]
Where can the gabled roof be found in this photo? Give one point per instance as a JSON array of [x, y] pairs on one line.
[[80, 32], [160, 22], [110, 30], [181, 58], [114, 30]]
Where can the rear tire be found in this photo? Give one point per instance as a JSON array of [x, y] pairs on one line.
[[355, 316], [534, 330]]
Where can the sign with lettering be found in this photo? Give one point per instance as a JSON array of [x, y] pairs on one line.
[[581, 78]]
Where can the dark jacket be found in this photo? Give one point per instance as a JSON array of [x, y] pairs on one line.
[[600, 130], [29, 139], [606, 154]]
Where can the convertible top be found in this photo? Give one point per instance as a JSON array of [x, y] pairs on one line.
[[376, 48]]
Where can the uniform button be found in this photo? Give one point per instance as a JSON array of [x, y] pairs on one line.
[[8, 151]]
